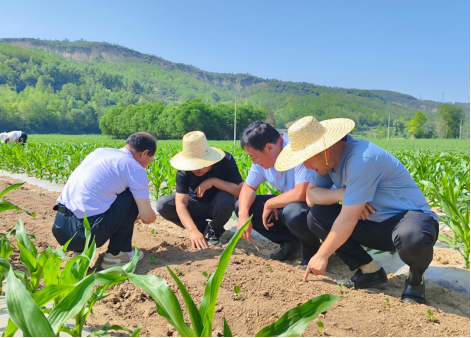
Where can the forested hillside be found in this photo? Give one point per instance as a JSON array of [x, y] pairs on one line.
[[62, 86]]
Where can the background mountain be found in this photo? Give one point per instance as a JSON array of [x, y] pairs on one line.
[[62, 86]]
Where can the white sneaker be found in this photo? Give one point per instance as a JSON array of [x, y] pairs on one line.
[[120, 259]]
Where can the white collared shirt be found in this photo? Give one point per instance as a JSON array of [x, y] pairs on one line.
[[102, 175]]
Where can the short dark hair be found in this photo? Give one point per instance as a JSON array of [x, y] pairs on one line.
[[258, 134], [23, 138], [142, 141]]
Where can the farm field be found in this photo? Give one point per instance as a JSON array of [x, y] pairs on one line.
[[267, 288], [462, 145]]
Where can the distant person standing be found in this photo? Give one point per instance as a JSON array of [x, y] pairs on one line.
[[111, 188], [14, 137]]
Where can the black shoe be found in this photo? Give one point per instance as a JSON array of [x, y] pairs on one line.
[[211, 236], [413, 294], [288, 250], [304, 264], [362, 280]]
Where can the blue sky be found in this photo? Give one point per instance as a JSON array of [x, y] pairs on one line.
[[421, 48]]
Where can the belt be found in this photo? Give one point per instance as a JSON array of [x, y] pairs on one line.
[[61, 208]]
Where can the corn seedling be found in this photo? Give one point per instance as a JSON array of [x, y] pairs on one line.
[[72, 291], [237, 292], [341, 288], [5, 205], [292, 323], [431, 316], [455, 204], [320, 327]]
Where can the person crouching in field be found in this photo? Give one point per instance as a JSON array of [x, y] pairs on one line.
[[382, 207], [14, 137], [111, 188], [263, 144], [208, 184]]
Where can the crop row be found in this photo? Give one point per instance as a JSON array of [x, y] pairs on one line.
[[442, 176]]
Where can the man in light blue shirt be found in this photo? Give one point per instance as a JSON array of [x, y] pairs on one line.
[[263, 143], [382, 207]]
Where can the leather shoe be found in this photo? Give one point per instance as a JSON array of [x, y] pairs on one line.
[[362, 280], [413, 294], [288, 250]]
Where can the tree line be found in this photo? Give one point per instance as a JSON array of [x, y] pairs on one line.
[[172, 122]]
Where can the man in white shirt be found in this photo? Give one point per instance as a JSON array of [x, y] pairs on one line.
[[13, 137], [111, 188]]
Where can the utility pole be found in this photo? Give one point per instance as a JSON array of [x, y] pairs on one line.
[[235, 118], [461, 128], [389, 121]]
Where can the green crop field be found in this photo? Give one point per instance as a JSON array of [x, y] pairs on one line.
[[445, 145]]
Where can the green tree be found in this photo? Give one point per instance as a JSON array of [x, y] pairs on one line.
[[416, 125], [451, 116]]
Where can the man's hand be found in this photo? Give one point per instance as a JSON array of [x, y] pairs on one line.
[[247, 234], [197, 240], [205, 185], [365, 214], [317, 264], [266, 214]]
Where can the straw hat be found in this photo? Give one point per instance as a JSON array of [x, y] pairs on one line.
[[308, 137], [196, 153]]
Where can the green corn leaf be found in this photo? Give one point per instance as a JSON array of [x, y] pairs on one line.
[[190, 304], [294, 322], [47, 294], [167, 303], [5, 205], [24, 239], [137, 331], [227, 330], [208, 304], [27, 258], [72, 304], [10, 188], [4, 264], [51, 270], [67, 277], [10, 330], [21, 308]]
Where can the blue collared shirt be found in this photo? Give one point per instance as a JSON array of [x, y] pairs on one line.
[[283, 181], [372, 175]]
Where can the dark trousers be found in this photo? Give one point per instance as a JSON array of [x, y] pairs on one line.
[[219, 211], [290, 226], [116, 225], [411, 233]]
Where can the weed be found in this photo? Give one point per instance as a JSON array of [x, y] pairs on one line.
[[431, 316], [270, 268], [152, 231], [153, 259], [178, 272], [341, 288], [206, 275], [387, 302]]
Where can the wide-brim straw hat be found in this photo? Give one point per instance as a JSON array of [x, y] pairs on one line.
[[308, 137], [196, 153]]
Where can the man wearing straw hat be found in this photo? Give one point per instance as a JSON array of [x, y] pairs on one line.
[[263, 143], [208, 184], [382, 207]]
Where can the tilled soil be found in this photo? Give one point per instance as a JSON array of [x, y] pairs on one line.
[[268, 288]]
